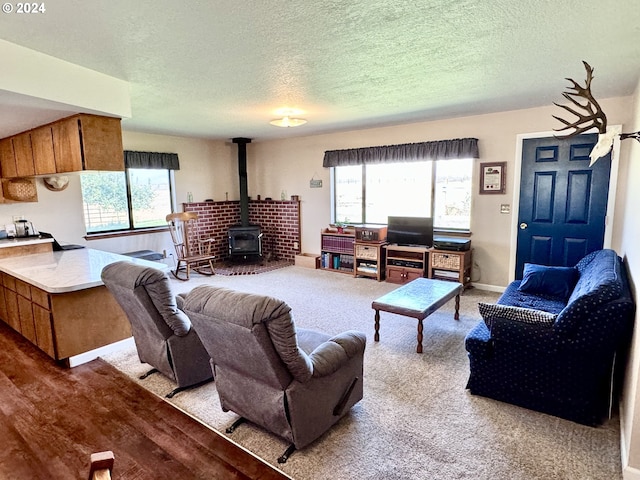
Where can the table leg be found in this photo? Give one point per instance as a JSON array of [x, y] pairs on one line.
[[376, 336], [456, 315], [419, 347]]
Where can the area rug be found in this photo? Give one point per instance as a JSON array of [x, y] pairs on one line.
[[229, 268], [416, 420]]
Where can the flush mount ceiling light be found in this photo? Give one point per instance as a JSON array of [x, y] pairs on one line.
[[288, 118], [288, 122]]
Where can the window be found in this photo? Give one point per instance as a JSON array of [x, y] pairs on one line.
[[439, 189], [136, 198]]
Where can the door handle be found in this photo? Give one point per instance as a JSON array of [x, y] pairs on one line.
[[523, 226]]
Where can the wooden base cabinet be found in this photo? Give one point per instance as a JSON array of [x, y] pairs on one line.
[[369, 260], [450, 265], [62, 324], [337, 251], [404, 264]]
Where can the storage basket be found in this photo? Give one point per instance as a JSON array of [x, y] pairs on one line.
[[445, 260], [363, 251]]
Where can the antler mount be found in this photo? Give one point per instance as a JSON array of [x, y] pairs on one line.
[[590, 114]]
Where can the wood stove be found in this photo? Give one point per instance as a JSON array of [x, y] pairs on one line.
[[244, 239]]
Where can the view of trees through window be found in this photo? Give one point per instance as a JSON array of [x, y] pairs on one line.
[[439, 189], [136, 198]]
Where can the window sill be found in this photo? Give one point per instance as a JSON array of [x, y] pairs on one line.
[[124, 233]]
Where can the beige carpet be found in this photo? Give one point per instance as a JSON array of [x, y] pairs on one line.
[[416, 420]]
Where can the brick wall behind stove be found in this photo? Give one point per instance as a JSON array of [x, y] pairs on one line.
[[279, 221]]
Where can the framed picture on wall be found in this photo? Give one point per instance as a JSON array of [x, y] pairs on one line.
[[493, 177]]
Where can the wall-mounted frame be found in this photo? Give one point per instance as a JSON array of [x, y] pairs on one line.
[[493, 177]]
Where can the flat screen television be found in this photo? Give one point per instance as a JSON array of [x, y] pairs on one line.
[[410, 231]]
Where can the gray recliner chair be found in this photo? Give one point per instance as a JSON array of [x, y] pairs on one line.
[[162, 333], [294, 382]]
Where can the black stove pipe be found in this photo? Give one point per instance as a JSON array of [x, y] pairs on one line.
[[242, 173]]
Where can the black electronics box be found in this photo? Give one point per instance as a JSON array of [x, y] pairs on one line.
[[453, 244], [404, 263], [371, 233]]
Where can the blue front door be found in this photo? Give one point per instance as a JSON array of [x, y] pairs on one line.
[[563, 201]]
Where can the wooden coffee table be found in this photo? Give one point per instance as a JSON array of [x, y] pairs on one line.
[[417, 299]]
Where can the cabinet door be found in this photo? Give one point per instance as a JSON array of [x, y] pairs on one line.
[[66, 145], [27, 327], [44, 330], [102, 143], [24, 155], [3, 305], [13, 315], [412, 275], [44, 158], [7, 159], [395, 274]]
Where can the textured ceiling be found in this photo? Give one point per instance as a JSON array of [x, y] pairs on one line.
[[220, 69]]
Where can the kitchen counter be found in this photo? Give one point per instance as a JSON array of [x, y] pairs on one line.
[[16, 247], [66, 270], [58, 302], [17, 242]]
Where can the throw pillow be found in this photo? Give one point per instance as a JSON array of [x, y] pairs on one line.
[[491, 311], [545, 280]]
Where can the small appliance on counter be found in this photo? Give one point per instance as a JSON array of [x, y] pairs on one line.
[[24, 228]]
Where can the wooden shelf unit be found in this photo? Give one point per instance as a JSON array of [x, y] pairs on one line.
[[405, 263], [369, 260], [451, 265], [337, 251]]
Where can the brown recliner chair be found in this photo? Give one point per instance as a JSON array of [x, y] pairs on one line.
[[294, 382], [163, 334]]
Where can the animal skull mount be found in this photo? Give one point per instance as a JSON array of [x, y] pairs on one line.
[[56, 183], [590, 116]]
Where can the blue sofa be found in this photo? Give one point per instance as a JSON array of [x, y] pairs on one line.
[[552, 346]]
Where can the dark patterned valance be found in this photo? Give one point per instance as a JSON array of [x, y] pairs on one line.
[[168, 161], [408, 152]]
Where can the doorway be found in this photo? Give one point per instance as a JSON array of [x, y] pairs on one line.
[[564, 208]]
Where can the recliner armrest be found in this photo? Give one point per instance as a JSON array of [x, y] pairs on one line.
[[328, 357]]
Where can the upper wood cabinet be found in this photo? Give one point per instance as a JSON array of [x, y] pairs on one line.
[[80, 142], [24, 155], [88, 142], [7, 158], [16, 156], [44, 159]]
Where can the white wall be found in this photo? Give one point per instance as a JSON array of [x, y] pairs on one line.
[[290, 164], [629, 226], [209, 170]]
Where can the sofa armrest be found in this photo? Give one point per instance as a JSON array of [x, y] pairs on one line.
[[329, 356]]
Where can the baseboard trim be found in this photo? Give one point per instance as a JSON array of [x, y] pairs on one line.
[[490, 288], [630, 473], [93, 354]]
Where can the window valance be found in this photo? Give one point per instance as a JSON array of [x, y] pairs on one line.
[[408, 152], [158, 160]]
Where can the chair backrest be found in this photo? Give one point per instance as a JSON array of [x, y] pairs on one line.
[[182, 230], [145, 295], [251, 334]]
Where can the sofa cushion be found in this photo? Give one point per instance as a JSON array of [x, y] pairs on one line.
[[491, 311], [517, 298], [548, 280]]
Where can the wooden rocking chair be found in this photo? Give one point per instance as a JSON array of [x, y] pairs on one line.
[[192, 251]]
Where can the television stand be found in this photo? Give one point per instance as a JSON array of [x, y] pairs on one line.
[[405, 263]]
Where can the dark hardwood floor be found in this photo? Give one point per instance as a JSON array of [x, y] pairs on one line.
[[52, 418]]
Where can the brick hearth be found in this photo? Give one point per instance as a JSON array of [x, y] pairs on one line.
[[279, 221]]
